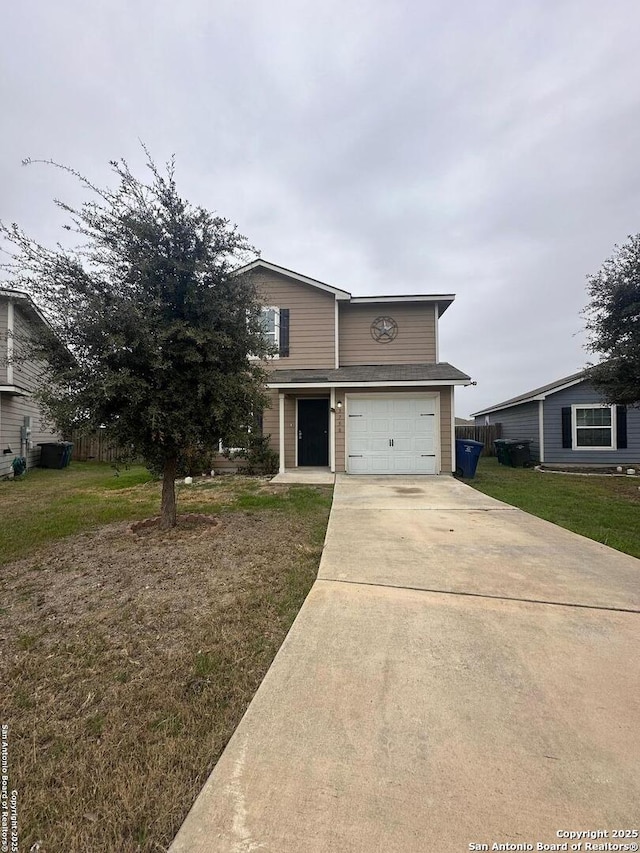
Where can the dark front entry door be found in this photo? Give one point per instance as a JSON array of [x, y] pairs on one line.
[[313, 432]]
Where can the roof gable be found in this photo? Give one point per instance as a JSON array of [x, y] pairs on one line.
[[265, 265], [26, 303], [537, 393], [443, 300]]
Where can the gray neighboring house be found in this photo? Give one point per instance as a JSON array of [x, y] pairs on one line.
[[568, 423], [21, 420]]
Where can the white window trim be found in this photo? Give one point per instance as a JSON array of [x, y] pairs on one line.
[[277, 329], [575, 427], [276, 310], [222, 448]]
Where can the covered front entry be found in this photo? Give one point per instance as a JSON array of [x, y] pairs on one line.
[[313, 432], [392, 434]]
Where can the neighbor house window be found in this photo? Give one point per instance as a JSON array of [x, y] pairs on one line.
[[594, 427]]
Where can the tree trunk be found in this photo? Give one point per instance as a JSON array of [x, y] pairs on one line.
[[168, 507]]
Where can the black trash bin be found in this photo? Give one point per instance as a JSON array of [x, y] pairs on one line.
[[501, 451], [55, 454], [519, 453], [467, 455]]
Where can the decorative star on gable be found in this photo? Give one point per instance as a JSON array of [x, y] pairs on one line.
[[384, 329]]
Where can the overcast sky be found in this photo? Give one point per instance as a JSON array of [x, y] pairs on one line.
[[487, 149]]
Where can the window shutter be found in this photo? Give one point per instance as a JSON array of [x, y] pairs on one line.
[[621, 427], [566, 426], [284, 333]]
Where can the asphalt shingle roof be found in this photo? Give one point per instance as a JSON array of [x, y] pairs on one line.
[[440, 372], [523, 398]]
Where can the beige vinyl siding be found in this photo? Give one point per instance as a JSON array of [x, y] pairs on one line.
[[446, 459], [14, 408], [223, 465], [26, 372], [311, 320], [3, 341], [445, 420], [270, 420], [12, 413], [271, 426], [289, 431], [415, 342]]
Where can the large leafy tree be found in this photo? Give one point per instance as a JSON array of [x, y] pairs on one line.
[[151, 331], [613, 324]]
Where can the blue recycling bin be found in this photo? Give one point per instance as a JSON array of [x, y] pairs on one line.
[[467, 455]]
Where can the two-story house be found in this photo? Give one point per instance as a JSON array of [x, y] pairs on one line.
[[357, 385], [21, 421]]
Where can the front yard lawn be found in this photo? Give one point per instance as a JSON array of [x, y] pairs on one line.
[[606, 509], [131, 657]]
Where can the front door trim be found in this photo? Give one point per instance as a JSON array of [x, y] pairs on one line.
[[329, 437]]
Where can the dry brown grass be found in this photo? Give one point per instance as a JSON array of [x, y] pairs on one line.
[[131, 658]]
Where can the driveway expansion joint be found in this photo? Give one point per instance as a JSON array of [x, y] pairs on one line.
[[485, 595]]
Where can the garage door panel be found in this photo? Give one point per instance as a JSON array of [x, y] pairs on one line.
[[404, 408], [412, 464], [426, 465], [379, 425], [408, 421], [358, 427], [378, 464], [402, 426]]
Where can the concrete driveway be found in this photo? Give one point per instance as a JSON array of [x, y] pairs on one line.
[[461, 673]]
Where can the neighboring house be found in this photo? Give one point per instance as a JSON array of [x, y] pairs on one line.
[[568, 423], [21, 422], [357, 385]]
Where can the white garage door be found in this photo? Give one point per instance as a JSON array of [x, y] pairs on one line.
[[391, 435]]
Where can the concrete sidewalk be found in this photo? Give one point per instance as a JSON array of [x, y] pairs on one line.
[[461, 673]]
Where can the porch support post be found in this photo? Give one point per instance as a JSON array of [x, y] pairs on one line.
[[541, 429], [332, 430], [281, 431]]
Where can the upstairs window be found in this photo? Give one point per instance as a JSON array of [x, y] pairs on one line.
[[594, 427], [271, 326], [275, 327]]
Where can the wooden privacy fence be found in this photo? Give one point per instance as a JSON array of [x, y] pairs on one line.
[[96, 447], [485, 433]]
